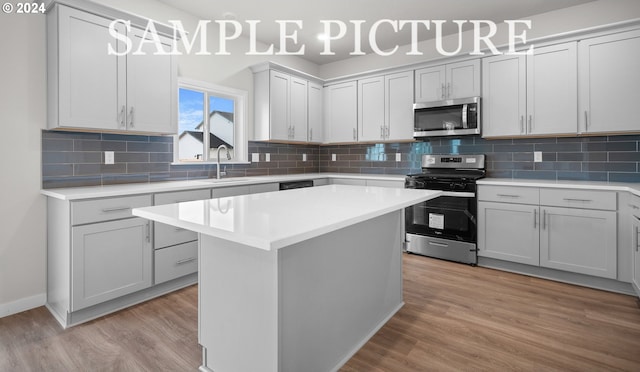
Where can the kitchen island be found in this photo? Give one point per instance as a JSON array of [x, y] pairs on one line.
[[295, 280]]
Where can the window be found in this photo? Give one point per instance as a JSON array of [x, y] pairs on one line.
[[210, 116]]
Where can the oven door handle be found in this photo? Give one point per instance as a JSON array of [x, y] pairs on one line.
[[459, 194]]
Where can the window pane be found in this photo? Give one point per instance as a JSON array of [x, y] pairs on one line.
[[191, 125], [221, 123]]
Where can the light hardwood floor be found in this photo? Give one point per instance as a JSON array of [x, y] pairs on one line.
[[456, 318]]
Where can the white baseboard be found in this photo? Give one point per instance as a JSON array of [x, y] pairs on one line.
[[22, 304]]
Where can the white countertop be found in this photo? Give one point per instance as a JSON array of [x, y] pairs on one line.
[[274, 220], [633, 188], [89, 192]]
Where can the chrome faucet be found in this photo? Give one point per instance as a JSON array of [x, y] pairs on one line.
[[218, 158]]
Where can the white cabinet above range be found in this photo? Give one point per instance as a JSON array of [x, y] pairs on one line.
[[450, 81]]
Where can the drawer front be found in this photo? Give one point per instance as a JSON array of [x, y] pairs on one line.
[[98, 210], [181, 196], [166, 235], [509, 194], [585, 199], [174, 262]]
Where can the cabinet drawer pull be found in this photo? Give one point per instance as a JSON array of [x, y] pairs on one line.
[[186, 260], [578, 200], [117, 209], [508, 195], [180, 229]]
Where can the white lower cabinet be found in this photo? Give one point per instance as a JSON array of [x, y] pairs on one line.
[[509, 232], [109, 260], [634, 216], [570, 230], [579, 240]]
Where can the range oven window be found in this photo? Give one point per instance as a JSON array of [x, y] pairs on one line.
[[446, 217]]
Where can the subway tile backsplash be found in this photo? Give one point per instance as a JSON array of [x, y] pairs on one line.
[[76, 159]]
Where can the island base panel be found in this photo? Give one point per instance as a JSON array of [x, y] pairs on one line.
[[309, 306]]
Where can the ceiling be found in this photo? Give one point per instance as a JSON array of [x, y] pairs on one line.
[[312, 12]]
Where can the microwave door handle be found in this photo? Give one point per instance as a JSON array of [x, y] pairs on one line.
[[465, 124]]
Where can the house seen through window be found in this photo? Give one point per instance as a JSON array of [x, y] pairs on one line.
[[209, 116]]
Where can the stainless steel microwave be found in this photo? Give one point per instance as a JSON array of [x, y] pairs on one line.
[[451, 117]]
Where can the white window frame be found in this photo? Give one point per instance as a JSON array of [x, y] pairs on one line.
[[240, 132]]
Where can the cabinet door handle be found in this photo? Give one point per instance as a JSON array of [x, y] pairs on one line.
[[121, 116], [586, 120], [354, 134], [535, 218], [382, 132], [521, 123], [293, 132], [386, 132], [131, 117], [117, 209], [448, 90], [148, 232], [578, 200], [310, 133], [544, 219], [508, 195], [186, 260], [443, 92], [530, 126]]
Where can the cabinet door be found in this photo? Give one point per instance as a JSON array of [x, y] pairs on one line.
[[636, 253], [279, 92], [509, 232], [463, 79], [109, 260], [579, 240], [504, 96], [341, 112], [430, 84], [151, 87], [552, 97], [399, 106], [608, 83], [315, 113], [298, 109], [91, 83], [371, 111]]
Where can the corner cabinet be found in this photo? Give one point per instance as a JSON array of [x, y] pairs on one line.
[[608, 83], [285, 106], [91, 89], [385, 108], [531, 95]]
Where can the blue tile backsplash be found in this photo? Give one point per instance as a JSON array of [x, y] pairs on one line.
[[76, 159]]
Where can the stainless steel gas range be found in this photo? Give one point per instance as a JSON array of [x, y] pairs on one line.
[[445, 227]]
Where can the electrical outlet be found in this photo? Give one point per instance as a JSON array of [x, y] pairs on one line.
[[537, 156], [398, 156], [267, 157], [108, 157], [333, 157], [304, 157], [255, 157]]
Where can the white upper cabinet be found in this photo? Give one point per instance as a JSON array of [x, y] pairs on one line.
[[371, 118], [341, 112], [315, 113], [90, 89], [281, 107], [552, 99], [609, 78], [451, 81], [530, 95], [385, 107], [503, 95]]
